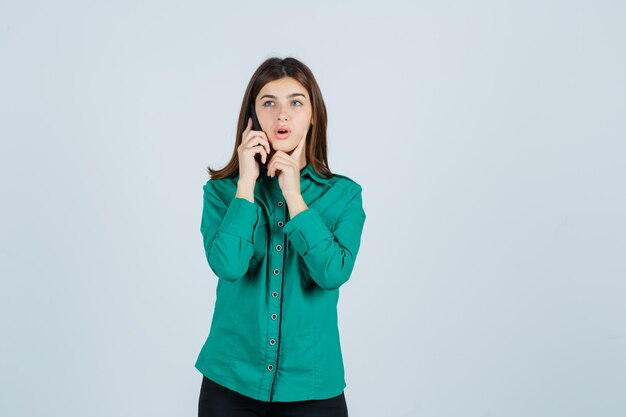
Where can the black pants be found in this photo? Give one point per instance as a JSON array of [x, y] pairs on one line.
[[219, 401]]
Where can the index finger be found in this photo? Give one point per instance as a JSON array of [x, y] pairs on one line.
[[248, 125]]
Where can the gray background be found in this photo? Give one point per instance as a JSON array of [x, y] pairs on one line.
[[488, 137]]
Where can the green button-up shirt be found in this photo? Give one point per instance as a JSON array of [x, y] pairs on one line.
[[274, 333]]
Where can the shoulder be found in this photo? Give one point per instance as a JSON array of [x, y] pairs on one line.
[[222, 187], [345, 183], [347, 193]]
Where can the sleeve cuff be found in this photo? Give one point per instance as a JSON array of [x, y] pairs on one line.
[[241, 218], [306, 230]]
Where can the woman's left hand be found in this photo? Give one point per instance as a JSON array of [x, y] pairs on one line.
[[289, 167]]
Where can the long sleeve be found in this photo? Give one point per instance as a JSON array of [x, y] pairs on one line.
[[278, 286], [329, 256], [228, 233]]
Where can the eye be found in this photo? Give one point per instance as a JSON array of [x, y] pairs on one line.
[[268, 102]]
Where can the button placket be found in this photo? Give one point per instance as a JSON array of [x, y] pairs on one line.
[[275, 301]]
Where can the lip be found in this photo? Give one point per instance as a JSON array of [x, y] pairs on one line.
[[282, 136], [282, 127]]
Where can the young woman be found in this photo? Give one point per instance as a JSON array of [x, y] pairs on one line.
[[281, 233]]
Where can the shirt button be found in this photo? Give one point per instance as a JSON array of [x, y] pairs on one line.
[[280, 203], [274, 316], [274, 294], [270, 367], [280, 223], [279, 248], [276, 271], [272, 342]]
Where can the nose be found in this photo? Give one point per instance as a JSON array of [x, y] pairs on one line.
[[282, 114]]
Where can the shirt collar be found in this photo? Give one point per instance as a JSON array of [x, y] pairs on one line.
[[308, 170]]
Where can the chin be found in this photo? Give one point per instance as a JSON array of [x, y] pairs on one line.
[[284, 146]]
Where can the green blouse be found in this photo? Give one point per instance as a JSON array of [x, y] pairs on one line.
[[274, 333]]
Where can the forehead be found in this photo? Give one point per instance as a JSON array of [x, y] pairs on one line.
[[283, 87]]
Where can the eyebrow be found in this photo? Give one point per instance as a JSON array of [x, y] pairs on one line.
[[290, 95]]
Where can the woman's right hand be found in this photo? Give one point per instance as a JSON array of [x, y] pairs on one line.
[[252, 142]]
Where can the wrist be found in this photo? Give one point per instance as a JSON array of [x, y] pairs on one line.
[[293, 197], [245, 189], [295, 204]]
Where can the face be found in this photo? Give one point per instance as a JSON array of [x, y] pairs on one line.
[[284, 103]]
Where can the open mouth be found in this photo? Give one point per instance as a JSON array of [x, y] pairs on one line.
[[282, 133]]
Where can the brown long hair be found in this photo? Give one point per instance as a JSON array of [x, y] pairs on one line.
[[274, 69]]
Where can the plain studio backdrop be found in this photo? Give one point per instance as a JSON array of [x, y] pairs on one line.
[[488, 136]]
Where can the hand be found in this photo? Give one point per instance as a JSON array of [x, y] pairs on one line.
[[289, 167], [253, 142]]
